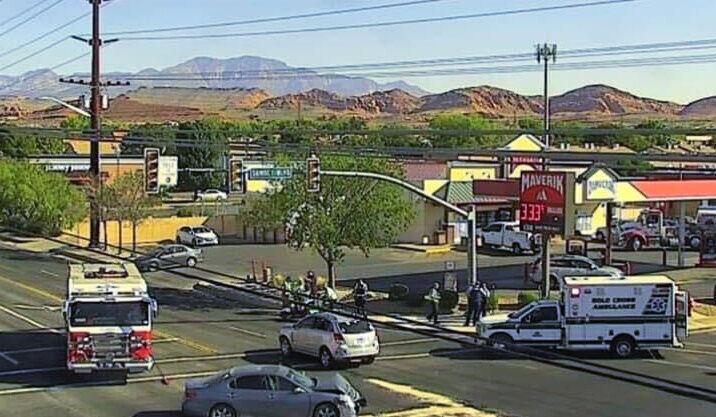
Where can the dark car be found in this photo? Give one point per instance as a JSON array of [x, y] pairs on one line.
[[169, 256]]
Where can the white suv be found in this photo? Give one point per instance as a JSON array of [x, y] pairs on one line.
[[197, 236], [331, 338]]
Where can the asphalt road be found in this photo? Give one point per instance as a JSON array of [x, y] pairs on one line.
[[197, 334]]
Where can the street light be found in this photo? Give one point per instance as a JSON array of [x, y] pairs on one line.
[[67, 105]]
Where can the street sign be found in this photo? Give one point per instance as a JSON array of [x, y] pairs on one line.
[[547, 202], [268, 174], [168, 171]]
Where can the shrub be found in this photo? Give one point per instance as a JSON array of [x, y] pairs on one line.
[[398, 292], [524, 298], [277, 280], [493, 303], [448, 300], [185, 212]]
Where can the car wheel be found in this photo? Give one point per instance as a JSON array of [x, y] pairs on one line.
[[222, 410], [695, 243], [154, 266], [285, 345], [326, 410], [191, 262], [635, 244], [623, 346], [600, 236], [369, 360], [325, 358], [501, 339], [516, 249]]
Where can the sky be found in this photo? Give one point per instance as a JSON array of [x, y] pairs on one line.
[[641, 21]]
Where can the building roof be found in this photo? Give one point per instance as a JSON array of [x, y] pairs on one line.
[[628, 280], [460, 192], [667, 190], [421, 171]]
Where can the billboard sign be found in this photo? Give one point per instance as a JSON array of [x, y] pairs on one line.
[[547, 202]]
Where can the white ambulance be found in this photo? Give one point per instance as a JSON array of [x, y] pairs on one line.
[[621, 314], [109, 316]]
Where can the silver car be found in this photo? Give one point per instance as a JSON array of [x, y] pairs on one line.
[[561, 266], [170, 256], [270, 391]]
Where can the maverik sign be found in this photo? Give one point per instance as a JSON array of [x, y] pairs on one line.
[[546, 202]]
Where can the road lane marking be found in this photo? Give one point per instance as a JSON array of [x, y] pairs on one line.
[[52, 274], [407, 356], [694, 351], [32, 350], [183, 340], [38, 308], [31, 371], [28, 320], [701, 345], [248, 332], [683, 365], [168, 340], [217, 357], [32, 289], [9, 359], [410, 341]]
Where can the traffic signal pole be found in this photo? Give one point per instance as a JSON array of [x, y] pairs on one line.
[[468, 215]]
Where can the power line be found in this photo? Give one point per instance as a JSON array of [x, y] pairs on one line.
[[58, 66], [29, 9], [34, 54], [275, 19], [31, 17], [44, 35], [381, 24]]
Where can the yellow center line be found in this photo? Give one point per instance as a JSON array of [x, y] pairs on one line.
[[54, 297]]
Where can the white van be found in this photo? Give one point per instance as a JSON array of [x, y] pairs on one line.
[[621, 314]]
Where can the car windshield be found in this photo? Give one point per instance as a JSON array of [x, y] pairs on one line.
[[301, 379], [109, 314], [521, 311], [201, 230], [355, 326]]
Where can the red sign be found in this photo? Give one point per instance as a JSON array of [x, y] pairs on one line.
[[543, 197], [508, 189]]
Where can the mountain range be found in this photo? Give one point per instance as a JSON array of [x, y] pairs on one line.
[[325, 94]]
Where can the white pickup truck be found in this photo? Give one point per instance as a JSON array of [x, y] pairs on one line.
[[507, 235]]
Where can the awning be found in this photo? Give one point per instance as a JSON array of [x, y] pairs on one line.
[[670, 190], [460, 192]]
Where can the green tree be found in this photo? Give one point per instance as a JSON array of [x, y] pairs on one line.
[[16, 144], [462, 122], [347, 213], [209, 139], [37, 201], [132, 204]]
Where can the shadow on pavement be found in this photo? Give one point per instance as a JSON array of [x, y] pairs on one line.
[[186, 299]]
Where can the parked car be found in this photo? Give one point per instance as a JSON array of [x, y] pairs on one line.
[[211, 195], [197, 236], [331, 339], [561, 266], [507, 235], [169, 256], [270, 391]]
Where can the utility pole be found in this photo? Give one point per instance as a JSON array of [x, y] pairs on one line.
[[95, 85], [545, 53], [95, 122]]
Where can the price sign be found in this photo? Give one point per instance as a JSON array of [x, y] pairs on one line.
[[546, 201]]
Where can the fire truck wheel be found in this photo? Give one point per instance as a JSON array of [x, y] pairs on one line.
[[222, 410], [623, 346]]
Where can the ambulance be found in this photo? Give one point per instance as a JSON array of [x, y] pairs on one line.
[[108, 315], [620, 314]]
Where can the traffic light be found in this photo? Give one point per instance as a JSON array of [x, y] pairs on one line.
[[236, 176], [313, 174], [151, 170]]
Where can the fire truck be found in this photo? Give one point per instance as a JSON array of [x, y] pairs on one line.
[[109, 315]]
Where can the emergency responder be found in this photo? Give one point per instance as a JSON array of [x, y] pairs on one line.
[[474, 304], [312, 283], [484, 296], [360, 294], [433, 297]]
